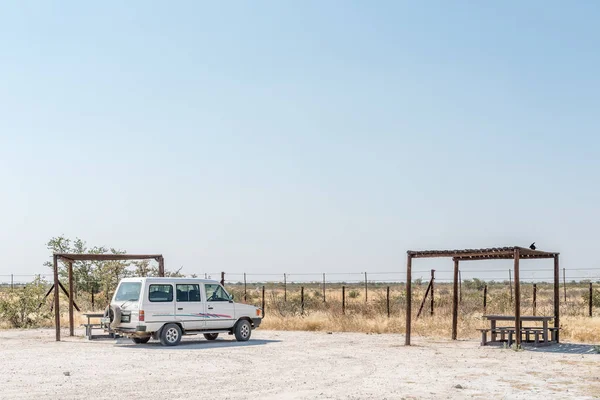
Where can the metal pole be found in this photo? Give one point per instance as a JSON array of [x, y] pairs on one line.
[[565, 283], [323, 288], [432, 286], [366, 290], [388, 301], [460, 286], [263, 301], [591, 299], [12, 282], [510, 284], [534, 298], [302, 300], [284, 288], [343, 299], [485, 300], [245, 294]]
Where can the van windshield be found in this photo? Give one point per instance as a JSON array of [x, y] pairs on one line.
[[128, 291]]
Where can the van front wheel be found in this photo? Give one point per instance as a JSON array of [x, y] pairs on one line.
[[242, 330], [170, 335]]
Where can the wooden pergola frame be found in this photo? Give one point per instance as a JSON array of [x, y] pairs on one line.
[[70, 258], [503, 253]]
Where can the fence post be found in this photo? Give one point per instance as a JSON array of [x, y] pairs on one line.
[[245, 295], [206, 275], [432, 279], [565, 283], [366, 290], [93, 297], [223, 279], [263, 301], [485, 300], [459, 287], [388, 301], [591, 298], [343, 299], [323, 288], [302, 300], [12, 282], [534, 298], [510, 284]]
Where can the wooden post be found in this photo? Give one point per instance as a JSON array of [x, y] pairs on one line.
[[223, 279], [565, 283], [432, 286], [517, 299], [556, 296], [284, 288], [263, 301], [459, 287], [56, 300], [425, 298], [591, 299], [323, 288], [245, 294], [388, 301], [71, 321], [12, 282], [485, 300], [366, 290], [455, 302], [161, 266], [343, 299], [408, 298], [93, 290], [206, 275], [510, 284], [534, 298], [302, 300]]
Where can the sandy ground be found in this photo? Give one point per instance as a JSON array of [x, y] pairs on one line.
[[290, 365]]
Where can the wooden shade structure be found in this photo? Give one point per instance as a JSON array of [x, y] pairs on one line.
[[70, 258], [496, 253]]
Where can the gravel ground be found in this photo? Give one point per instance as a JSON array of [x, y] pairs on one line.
[[290, 365]]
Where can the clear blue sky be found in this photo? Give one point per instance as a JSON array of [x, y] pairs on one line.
[[310, 137]]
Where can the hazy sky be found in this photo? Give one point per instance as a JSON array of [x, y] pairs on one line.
[[320, 136]]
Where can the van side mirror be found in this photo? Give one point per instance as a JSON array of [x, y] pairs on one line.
[[231, 298]]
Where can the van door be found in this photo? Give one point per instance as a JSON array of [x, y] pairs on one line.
[[159, 306], [189, 307], [220, 310]]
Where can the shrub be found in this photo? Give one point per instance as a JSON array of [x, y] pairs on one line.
[[353, 294], [21, 306]]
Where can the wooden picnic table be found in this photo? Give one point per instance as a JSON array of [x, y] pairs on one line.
[[89, 326], [528, 331]]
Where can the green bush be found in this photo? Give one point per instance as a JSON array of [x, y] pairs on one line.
[[353, 294], [595, 297], [20, 307]]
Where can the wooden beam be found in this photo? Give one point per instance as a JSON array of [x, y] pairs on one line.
[[408, 298], [455, 301], [71, 321], [161, 266], [517, 300], [556, 297], [425, 298], [107, 257], [56, 300]]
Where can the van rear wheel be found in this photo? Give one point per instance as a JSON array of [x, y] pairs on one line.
[[242, 330], [170, 335], [211, 336], [141, 340]]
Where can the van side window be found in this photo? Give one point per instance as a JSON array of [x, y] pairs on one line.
[[160, 293], [188, 293], [215, 292]]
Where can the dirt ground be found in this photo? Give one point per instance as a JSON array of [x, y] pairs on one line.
[[290, 365]]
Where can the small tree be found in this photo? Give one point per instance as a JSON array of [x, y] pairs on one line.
[[21, 308]]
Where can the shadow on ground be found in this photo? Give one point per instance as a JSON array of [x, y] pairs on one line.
[[566, 348], [194, 344]]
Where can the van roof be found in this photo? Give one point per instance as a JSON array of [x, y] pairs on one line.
[[167, 278]]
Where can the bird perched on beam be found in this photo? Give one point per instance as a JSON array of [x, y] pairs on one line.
[[532, 246]]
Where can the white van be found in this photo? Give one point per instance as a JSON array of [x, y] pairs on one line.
[[167, 308]]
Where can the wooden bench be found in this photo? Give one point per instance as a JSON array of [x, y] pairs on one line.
[[89, 327]]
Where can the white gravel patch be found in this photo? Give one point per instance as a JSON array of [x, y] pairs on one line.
[[289, 365]]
